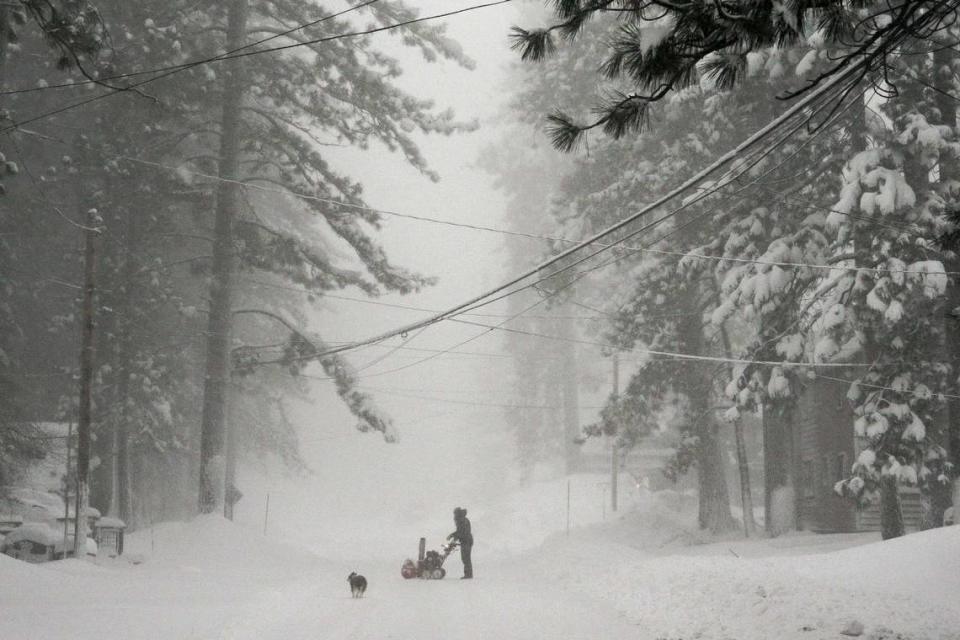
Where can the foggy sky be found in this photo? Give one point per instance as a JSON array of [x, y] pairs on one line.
[[449, 454]]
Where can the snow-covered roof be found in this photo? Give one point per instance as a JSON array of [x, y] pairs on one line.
[[34, 532]]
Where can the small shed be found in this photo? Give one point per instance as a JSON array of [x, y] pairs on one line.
[[32, 542], [108, 532]]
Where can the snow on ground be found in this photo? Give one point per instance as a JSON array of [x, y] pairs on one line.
[[643, 575], [706, 591], [193, 576]]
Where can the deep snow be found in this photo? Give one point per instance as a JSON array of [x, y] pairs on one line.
[[642, 575]]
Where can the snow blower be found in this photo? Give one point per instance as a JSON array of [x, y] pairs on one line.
[[429, 564]]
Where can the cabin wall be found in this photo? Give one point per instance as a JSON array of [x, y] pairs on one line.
[[825, 452]]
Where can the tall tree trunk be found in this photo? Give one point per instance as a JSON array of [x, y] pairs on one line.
[[230, 478], [714, 499], [944, 63], [217, 373], [714, 508], [780, 499], [746, 495], [5, 31], [120, 496], [85, 412]]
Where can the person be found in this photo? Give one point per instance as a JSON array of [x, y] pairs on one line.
[[465, 538]]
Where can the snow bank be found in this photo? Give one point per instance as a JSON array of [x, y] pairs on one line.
[[681, 588], [925, 564], [192, 579], [17, 574]]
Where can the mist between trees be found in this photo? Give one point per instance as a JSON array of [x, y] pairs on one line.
[[832, 241]]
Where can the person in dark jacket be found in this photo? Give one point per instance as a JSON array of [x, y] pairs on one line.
[[465, 538]]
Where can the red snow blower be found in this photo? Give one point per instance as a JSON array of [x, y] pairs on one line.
[[429, 564]]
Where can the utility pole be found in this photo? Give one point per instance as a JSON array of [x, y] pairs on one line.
[[615, 451], [86, 384], [66, 491]]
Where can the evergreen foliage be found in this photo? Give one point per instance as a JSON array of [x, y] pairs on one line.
[[142, 159], [822, 250]]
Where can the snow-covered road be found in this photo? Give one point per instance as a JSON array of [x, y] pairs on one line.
[[643, 576], [501, 604]]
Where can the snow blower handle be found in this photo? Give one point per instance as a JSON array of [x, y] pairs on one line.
[[449, 547]]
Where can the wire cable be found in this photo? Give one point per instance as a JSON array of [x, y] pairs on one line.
[[176, 68], [700, 176], [243, 54], [672, 355], [522, 234]]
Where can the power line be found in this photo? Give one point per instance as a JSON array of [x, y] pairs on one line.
[[534, 236], [392, 351], [777, 123], [746, 166], [171, 72], [672, 355], [881, 387], [701, 196], [478, 354], [176, 68], [241, 54], [393, 305], [725, 159], [401, 394], [626, 248], [453, 347]]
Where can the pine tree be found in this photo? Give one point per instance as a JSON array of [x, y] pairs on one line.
[[799, 312], [157, 223], [274, 119], [661, 49]]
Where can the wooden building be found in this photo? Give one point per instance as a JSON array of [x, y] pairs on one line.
[[807, 450]]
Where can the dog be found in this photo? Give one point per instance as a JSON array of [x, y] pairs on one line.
[[358, 584]]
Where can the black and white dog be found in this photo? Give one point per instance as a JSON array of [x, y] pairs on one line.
[[358, 584]]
